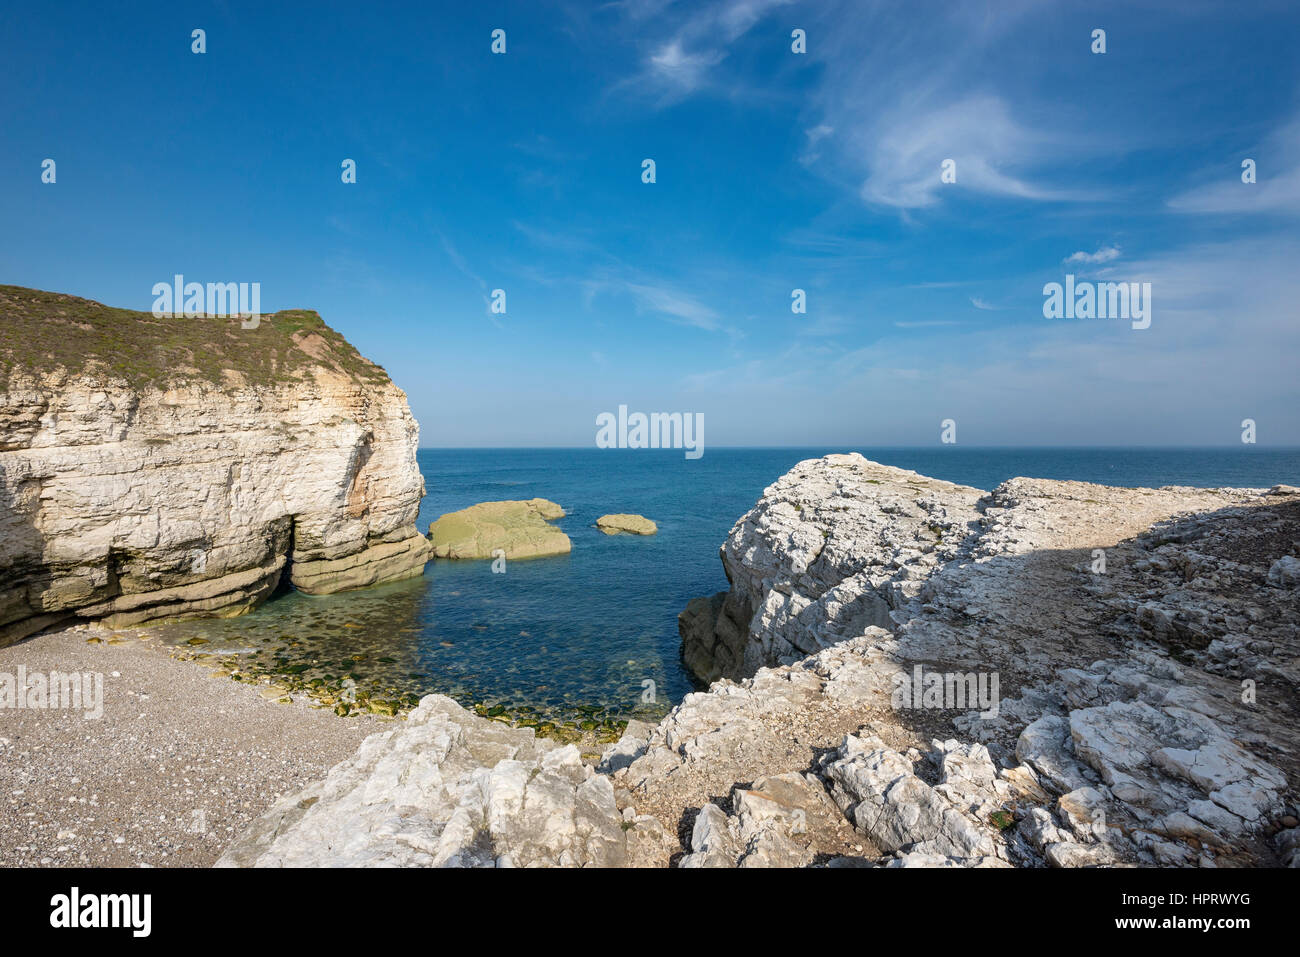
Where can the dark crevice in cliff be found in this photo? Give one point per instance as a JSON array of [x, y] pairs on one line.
[[285, 583], [112, 571]]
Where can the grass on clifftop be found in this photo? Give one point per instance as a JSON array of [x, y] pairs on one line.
[[41, 332]]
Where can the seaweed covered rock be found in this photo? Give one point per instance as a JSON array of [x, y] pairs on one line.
[[500, 529]]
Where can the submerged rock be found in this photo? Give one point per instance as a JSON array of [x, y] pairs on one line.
[[517, 529], [622, 522]]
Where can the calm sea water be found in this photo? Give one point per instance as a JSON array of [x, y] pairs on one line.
[[578, 637]]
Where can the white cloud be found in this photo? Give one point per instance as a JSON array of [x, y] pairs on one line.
[[460, 262], [1103, 255], [979, 303], [1220, 348], [812, 152], [676, 305], [680, 68]]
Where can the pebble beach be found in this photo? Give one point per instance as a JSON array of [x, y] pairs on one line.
[[179, 763]]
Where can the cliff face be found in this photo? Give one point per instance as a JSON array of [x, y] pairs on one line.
[[181, 467]]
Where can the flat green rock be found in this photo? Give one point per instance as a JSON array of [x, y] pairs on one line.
[[519, 529], [625, 523]]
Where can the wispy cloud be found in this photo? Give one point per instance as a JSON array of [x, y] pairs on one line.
[[812, 149], [951, 284], [682, 69], [460, 262], [822, 326], [1277, 180], [882, 103], [684, 61], [905, 153], [649, 294], [979, 303], [899, 109], [924, 323], [677, 306], [1221, 312], [657, 299]]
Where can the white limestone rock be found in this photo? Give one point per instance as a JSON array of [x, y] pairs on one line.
[[831, 548], [449, 789], [1285, 572], [876, 787]]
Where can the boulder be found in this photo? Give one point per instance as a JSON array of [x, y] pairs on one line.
[[831, 548]]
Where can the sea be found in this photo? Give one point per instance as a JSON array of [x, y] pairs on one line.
[[590, 639]]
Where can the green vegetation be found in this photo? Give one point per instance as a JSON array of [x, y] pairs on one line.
[[42, 332], [337, 685]]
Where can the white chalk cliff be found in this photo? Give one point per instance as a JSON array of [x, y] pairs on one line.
[[184, 466]]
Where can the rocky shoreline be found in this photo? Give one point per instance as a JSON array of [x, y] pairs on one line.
[[1143, 645]]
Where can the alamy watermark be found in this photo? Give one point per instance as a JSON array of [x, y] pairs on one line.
[[947, 691], [180, 298], [36, 691], [658, 430], [127, 911], [1098, 300]]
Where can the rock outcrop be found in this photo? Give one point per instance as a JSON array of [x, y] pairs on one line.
[[1050, 674], [500, 530], [181, 467], [835, 545], [449, 789], [625, 523], [1132, 633]]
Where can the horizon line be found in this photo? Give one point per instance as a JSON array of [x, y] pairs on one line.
[[938, 447]]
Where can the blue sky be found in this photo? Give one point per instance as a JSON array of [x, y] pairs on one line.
[[775, 171]]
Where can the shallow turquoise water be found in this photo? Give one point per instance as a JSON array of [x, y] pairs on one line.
[[578, 637]]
